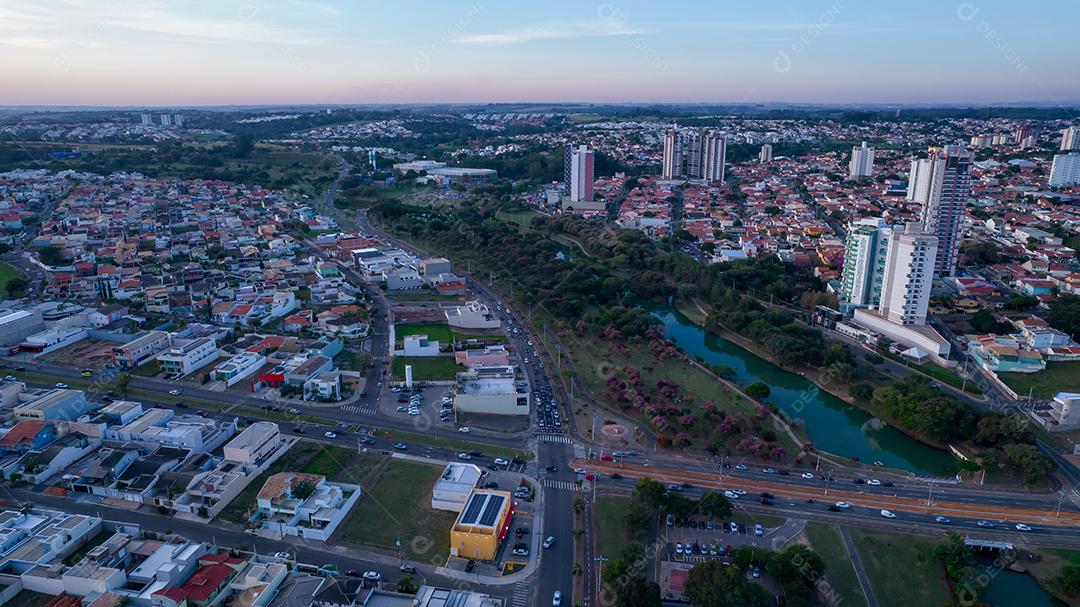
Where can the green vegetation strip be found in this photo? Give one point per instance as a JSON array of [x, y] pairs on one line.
[[840, 573], [1057, 377], [397, 507], [902, 569], [427, 368], [611, 529]]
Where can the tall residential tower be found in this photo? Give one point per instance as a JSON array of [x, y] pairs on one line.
[[694, 155], [862, 162], [943, 187], [579, 173]]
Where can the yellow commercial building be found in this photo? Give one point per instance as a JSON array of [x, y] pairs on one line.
[[482, 525]]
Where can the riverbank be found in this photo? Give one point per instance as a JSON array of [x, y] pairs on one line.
[[811, 374]]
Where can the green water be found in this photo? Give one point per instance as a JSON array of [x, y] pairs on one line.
[[1004, 588], [831, 424]]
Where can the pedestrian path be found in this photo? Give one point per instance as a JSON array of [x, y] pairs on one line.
[[521, 595], [216, 386], [555, 438], [564, 485], [364, 410]]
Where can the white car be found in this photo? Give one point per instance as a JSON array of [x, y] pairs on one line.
[[1022, 527], [807, 475], [731, 495], [740, 491], [330, 435], [464, 456], [464, 430], [580, 471], [372, 576], [556, 600], [843, 505], [875, 482], [888, 514], [282, 555], [501, 462], [61, 385], [549, 541], [174, 392]]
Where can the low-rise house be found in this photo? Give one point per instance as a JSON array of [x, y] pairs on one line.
[[1004, 355], [305, 505], [185, 356], [472, 315], [141, 349], [418, 345]]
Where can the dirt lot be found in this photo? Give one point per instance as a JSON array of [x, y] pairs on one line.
[[88, 353]]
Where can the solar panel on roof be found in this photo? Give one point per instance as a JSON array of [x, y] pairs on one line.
[[473, 509], [491, 512]]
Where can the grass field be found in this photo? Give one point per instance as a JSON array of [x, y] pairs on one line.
[[435, 332], [902, 569], [750, 518], [945, 376], [611, 532], [335, 463], [839, 573], [449, 443], [398, 506], [1057, 377], [427, 368], [7, 274]]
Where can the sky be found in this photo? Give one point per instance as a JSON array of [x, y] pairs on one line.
[[190, 53]]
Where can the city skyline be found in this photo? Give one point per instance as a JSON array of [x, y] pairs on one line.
[[321, 52]]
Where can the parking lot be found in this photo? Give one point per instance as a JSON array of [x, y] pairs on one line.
[[698, 539], [425, 405]]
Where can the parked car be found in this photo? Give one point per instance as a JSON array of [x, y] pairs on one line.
[[373, 576]]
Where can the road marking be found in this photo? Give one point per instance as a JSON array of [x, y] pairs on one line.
[[556, 438], [368, 410], [521, 595], [564, 485]]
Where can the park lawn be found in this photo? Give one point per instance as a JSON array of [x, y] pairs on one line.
[[427, 368], [7, 274], [750, 518], [839, 572], [901, 569], [292, 460], [434, 331], [411, 439], [1057, 377], [522, 218], [398, 506], [612, 534], [341, 464]]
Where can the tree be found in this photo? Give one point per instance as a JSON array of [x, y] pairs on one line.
[[636, 591], [122, 382], [650, 493], [711, 584], [406, 585], [747, 556], [50, 255], [797, 569], [243, 145], [955, 555], [983, 321], [16, 287], [714, 505], [1065, 314], [758, 390], [1069, 579], [862, 391]]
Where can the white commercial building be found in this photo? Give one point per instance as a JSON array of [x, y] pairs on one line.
[[185, 356], [473, 315], [454, 486], [862, 162], [164, 427], [1065, 170], [490, 391], [238, 367], [257, 442]]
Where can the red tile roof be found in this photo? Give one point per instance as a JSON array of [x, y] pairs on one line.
[[22, 433]]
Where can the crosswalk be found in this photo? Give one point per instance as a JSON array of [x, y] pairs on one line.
[[555, 438], [365, 410], [564, 485], [216, 386], [521, 595]]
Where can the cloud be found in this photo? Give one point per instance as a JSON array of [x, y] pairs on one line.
[[580, 29]]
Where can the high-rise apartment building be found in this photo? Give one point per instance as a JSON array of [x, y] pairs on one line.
[[947, 189], [862, 162], [908, 275], [178, 120], [918, 185], [1070, 139], [1021, 133], [147, 119], [579, 173], [1065, 171], [766, 153], [865, 253], [694, 155], [166, 120]]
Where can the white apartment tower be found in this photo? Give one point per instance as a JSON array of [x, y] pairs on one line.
[[580, 182], [1070, 139], [862, 162], [947, 189], [865, 253], [918, 185], [766, 153], [908, 275], [147, 119], [695, 155], [166, 120], [1065, 171]]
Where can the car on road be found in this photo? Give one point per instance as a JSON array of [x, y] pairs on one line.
[[330, 434], [740, 466], [549, 542], [61, 385], [501, 462], [400, 446], [551, 469], [372, 576], [842, 505], [615, 476], [807, 475], [1022, 527], [731, 495], [834, 508], [888, 514], [282, 555], [768, 470], [944, 520], [406, 568], [10, 378], [464, 456], [674, 487], [874, 482], [985, 524], [556, 599], [87, 373], [174, 392], [858, 481], [464, 430]]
